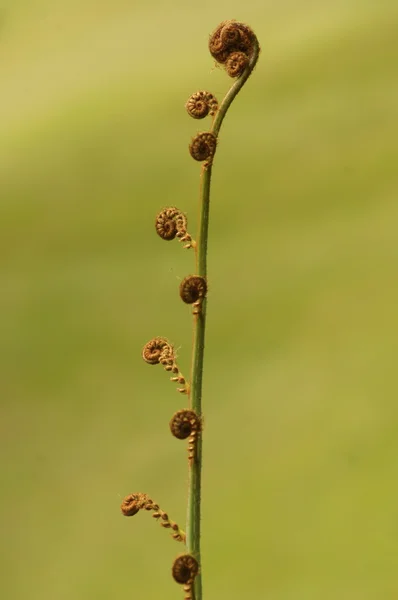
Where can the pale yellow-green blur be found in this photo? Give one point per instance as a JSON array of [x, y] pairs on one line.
[[300, 488]]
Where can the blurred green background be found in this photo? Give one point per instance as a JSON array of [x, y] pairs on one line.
[[300, 488]]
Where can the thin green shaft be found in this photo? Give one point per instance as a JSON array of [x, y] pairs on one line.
[[195, 472]]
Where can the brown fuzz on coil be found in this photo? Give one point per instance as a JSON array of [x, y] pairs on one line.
[[185, 424], [133, 503], [203, 147], [185, 568], [154, 349], [193, 289], [236, 63], [171, 223], [231, 36], [136, 502], [201, 104], [160, 351]]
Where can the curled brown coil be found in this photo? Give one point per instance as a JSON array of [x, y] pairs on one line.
[[171, 223], [203, 147], [193, 289], [231, 36], [160, 351], [155, 349], [236, 63], [182, 424], [136, 502], [133, 503], [185, 568], [201, 104], [185, 424]]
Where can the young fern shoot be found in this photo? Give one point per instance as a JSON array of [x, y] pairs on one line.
[[235, 47]]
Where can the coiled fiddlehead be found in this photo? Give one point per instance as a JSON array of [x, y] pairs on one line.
[[193, 289], [133, 503], [184, 570], [234, 45], [203, 147], [236, 63], [231, 36], [171, 223], [160, 351], [185, 424], [201, 104]]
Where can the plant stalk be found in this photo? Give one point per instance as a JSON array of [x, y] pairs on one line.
[[194, 494], [194, 490]]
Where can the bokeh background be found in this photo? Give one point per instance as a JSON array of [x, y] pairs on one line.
[[300, 488]]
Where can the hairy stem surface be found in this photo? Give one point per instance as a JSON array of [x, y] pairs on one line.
[[194, 492]]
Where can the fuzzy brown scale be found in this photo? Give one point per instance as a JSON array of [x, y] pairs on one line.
[[230, 35], [201, 104], [240, 36], [216, 43], [203, 147]]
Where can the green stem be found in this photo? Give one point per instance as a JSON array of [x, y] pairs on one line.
[[234, 90], [194, 492]]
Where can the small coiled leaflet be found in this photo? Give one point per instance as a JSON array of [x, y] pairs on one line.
[[201, 104], [133, 503], [171, 223], [236, 63], [160, 351], [203, 147], [231, 36], [193, 289], [184, 424], [184, 570]]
